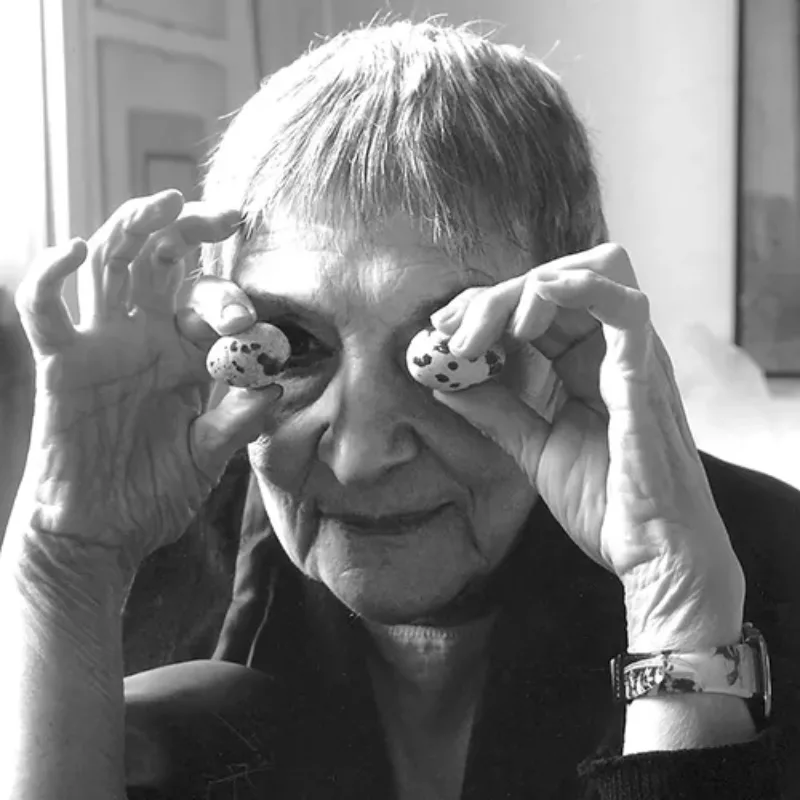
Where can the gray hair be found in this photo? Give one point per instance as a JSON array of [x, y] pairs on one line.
[[463, 134]]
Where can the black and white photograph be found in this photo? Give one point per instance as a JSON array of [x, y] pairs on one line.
[[400, 400]]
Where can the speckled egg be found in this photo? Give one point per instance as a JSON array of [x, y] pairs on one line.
[[431, 363], [250, 359]]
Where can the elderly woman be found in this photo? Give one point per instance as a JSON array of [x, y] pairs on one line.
[[441, 577]]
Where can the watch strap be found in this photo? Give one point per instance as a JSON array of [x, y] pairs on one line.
[[740, 670]]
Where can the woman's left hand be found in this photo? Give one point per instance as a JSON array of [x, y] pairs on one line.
[[617, 465]]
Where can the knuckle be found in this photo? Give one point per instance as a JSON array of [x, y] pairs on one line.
[[612, 251], [462, 301], [115, 230], [586, 279], [492, 301], [169, 246], [22, 297], [193, 327], [210, 294], [28, 300], [127, 214], [616, 263], [641, 303]]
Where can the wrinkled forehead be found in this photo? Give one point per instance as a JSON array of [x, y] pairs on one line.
[[489, 255]]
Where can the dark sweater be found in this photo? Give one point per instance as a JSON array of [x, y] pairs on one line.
[[285, 708]]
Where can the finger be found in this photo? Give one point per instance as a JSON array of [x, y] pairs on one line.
[[448, 318], [611, 303], [608, 259], [239, 418], [521, 308], [533, 314], [194, 328], [501, 415], [624, 314], [104, 281], [39, 300], [531, 376], [486, 318], [222, 305], [159, 269]]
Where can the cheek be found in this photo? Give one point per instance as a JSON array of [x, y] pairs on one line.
[[476, 460], [284, 456], [282, 473], [285, 451]]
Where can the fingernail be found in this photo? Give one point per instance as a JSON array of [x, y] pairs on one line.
[[235, 313], [233, 218]]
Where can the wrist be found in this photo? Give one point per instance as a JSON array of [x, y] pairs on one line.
[[686, 722], [685, 610], [686, 631], [61, 573], [63, 661]]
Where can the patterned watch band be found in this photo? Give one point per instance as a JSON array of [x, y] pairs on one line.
[[726, 669], [741, 670]]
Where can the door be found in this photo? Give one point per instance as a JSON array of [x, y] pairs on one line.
[[138, 91]]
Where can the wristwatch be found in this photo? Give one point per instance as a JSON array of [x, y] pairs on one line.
[[741, 670]]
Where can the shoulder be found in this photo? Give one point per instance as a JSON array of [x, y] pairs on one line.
[[198, 723], [742, 489], [762, 515]]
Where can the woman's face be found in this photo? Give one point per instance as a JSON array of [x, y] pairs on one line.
[[392, 500]]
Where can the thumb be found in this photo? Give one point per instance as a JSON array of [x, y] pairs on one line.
[[501, 415], [238, 419]]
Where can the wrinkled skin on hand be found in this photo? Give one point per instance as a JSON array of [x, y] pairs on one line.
[[617, 465], [122, 454]]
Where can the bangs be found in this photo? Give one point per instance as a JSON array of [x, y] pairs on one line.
[[464, 136]]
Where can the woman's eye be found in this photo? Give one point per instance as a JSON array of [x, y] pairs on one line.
[[306, 348]]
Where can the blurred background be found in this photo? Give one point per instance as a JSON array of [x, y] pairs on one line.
[[693, 108]]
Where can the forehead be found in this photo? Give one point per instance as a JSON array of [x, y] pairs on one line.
[[397, 263]]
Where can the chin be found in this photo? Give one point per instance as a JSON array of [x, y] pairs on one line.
[[376, 601]]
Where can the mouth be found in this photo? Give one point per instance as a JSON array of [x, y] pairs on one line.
[[387, 524]]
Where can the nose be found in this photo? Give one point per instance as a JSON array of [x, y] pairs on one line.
[[370, 428]]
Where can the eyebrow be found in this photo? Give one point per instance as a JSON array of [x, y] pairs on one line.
[[273, 305], [277, 305]]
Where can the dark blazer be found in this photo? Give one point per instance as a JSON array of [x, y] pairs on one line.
[[284, 708]]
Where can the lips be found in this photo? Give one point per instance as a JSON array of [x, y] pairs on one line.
[[386, 523]]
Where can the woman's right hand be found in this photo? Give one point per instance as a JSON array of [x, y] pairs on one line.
[[122, 454]]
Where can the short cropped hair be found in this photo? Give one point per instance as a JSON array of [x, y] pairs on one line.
[[463, 134]]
